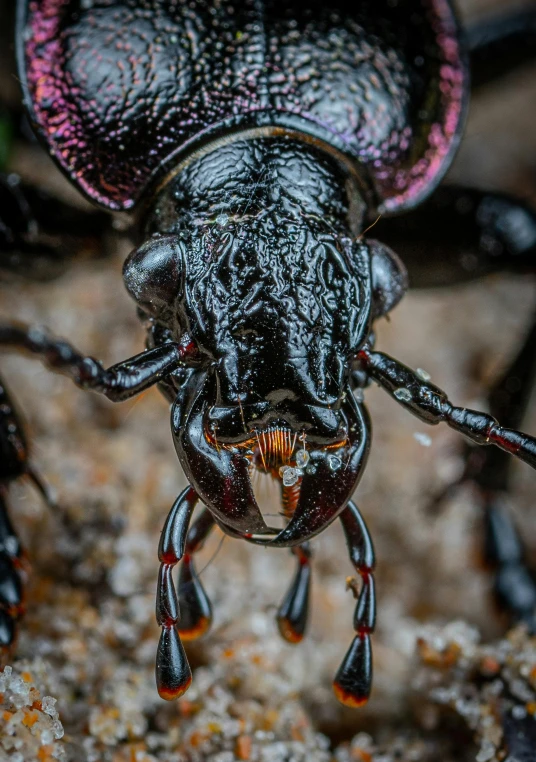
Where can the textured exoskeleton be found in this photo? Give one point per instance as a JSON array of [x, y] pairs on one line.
[[255, 141]]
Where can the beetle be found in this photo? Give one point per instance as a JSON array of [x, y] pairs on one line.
[[256, 143]]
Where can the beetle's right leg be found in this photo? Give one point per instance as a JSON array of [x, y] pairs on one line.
[[14, 464], [196, 611], [515, 585], [353, 680], [469, 233], [459, 234], [118, 383], [293, 613], [173, 674]]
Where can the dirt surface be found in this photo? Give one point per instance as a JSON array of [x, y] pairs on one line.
[[89, 637]]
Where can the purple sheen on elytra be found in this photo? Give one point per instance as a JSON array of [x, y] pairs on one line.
[[114, 99]]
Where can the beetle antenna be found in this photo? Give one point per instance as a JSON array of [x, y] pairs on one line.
[[363, 234]]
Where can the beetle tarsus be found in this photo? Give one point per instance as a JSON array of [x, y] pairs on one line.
[[353, 680], [293, 613], [196, 610], [173, 674]]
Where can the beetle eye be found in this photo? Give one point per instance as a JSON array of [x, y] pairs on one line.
[[153, 274]]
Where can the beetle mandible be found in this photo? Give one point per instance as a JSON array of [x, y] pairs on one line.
[[256, 142]]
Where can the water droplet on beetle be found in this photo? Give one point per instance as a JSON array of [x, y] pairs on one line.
[[291, 476], [302, 458], [423, 374], [404, 395], [359, 395], [334, 463]]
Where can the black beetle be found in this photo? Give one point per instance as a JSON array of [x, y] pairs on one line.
[[256, 142]]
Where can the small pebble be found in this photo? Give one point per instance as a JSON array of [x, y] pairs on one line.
[[422, 439]]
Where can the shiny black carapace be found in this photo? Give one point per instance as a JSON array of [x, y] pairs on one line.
[[256, 141]]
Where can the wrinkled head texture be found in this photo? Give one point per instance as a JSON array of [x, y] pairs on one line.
[[262, 273]]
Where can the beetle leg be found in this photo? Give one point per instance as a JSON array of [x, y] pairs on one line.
[[11, 577], [466, 233], [431, 405], [13, 465], [40, 234], [118, 383], [500, 44], [173, 674], [353, 680], [514, 584], [196, 611], [490, 472], [293, 612]]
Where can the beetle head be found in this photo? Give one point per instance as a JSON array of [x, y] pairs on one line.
[[277, 313]]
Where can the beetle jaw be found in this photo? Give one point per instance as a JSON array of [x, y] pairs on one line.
[[317, 478]]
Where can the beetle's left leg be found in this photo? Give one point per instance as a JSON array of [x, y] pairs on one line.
[[173, 674], [353, 681], [120, 382], [293, 613], [514, 585], [195, 607]]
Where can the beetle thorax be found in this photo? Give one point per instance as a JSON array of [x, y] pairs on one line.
[[252, 255]]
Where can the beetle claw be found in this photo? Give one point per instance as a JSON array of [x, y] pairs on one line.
[[328, 482], [353, 680], [173, 673], [220, 476]]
